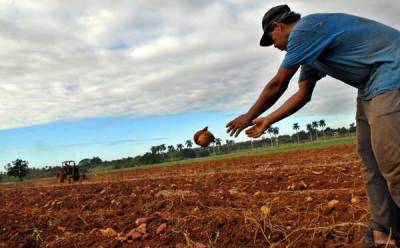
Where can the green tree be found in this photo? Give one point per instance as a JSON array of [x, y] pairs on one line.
[[84, 162], [218, 143], [296, 128], [155, 149], [95, 161], [189, 143], [179, 147], [150, 158], [310, 129], [264, 140], [229, 144], [322, 125], [19, 168], [352, 128], [171, 148], [270, 130], [315, 127], [162, 148], [276, 133]]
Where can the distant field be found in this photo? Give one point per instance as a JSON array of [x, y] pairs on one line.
[[235, 154], [243, 153]]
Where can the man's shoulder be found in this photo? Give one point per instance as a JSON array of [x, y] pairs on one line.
[[324, 22], [317, 16]]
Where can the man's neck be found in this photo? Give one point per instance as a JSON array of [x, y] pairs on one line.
[[290, 26]]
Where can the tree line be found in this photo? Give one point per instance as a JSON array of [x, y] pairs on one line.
[[314, 131]]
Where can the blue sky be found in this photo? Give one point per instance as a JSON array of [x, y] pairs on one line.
[[118, 137], [112, 78]]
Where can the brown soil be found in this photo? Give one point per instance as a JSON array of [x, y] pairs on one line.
[[276, 200]]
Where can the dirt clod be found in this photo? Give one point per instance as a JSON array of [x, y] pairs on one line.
[[146, 236], [142, 228], [108, 232], [161, 229], [143, 220], [133, 235]]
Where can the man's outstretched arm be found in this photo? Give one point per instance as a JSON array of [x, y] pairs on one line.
[[292, 105], [270, 94]]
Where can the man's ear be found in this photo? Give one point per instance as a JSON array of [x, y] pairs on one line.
[[278, 25], [274, 25]]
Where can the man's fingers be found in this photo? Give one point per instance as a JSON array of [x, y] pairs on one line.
[[232, 127], [250, 131], [232, 131], [252, 134], [257, 135], [229, 123], [238, 131], [253, 130], [255, 121]]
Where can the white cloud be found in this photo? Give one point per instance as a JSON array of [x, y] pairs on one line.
[[81, 59]]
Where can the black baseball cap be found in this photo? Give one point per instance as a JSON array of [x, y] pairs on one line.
[[272, 15]]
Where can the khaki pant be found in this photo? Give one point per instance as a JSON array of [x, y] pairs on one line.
[[378, 145]]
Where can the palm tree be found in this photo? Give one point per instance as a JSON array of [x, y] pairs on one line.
[[270, 130], [171, 148], [310, 129], [352, 127], [155, 149], [322, 126], [296, 127], [189, 143], [276, 133], [179, 147], [315, 126], [264, 140], [229, 143], [218, 143], [162, 147]]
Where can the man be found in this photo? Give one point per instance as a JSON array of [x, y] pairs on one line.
[[362, 53]]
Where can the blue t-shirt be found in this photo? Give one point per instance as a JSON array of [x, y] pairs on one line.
[[360, 52]]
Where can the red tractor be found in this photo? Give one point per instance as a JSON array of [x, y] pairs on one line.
[[68, 171]]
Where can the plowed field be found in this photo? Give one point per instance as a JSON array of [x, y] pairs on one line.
[[307, 198]]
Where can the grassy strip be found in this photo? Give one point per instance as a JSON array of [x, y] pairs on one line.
[[235, 154], [241, 153]]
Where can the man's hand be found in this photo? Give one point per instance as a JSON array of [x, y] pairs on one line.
[[270, 94], [237, 125], [259, 126]]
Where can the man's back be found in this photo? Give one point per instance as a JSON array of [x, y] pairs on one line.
[[355, 50]]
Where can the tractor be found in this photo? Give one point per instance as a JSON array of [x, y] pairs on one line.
[[68, 171]]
